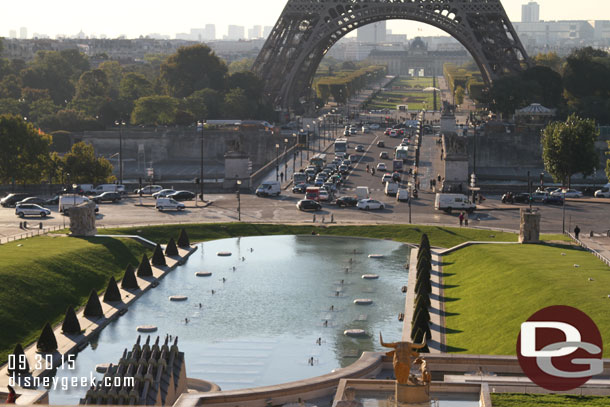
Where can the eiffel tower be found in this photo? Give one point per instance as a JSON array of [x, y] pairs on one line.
[[307, 29]]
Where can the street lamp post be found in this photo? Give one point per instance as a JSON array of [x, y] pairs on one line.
[[286, 159], [200, 163], [294, 153], [277, 162], [120, 123], [238, 200]]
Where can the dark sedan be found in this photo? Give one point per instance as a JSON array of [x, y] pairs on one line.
[[308, 205], [11, 199], [345, 201], [33, 200], [182, 196], [553, 200], [299, 188], [107, 197]]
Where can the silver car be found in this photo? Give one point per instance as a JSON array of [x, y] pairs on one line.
[[24, 210]]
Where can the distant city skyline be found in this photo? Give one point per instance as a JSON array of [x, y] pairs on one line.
[[136, 18]]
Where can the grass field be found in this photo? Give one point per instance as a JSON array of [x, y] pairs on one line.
[[41, 276], [547, 400], [409, 94], [491, 289], [439, 236]]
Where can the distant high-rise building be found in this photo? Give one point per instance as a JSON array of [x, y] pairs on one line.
[[374, 33], [209, 32], [255, 32], [12, 34], [236, 32], [23, 33], [530, 12], [197, 34], [267, 31]]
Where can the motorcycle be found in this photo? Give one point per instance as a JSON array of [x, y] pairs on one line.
[[508, 198]]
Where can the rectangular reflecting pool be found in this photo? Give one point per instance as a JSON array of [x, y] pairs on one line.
[[273, 311]]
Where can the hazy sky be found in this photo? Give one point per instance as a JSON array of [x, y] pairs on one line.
[[133, 18]]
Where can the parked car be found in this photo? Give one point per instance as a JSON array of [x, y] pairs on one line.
[[368, 204], [604, 192], [163, 193], [384, 155], [345, 201], [449, 202], [387, 177], [148, 189], [23, 210], [308, 205], [567, 193], [381, 167], [539, 196], [553, 200], [107, 197], [168, 204], [11, 199], [299, 188], [182, 196], [52, 201], [118, 188], [380, 143], [360, 148], [32, 200], [510, 198]]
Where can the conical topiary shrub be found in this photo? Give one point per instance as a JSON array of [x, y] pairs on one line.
[[424, 268], [22, 366], [46, 342], [94, 306], [112, 293], [158, 259], [423, 286], [183, 240], [129, 281], [422, 300], [171, 249], [424, 246], [71, 326], [144, 269]]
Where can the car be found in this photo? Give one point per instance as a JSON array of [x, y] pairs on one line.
[[380, 143], [360, 148], [324, 195], [384, 155], [323, 176], [12, 199], [52, 201], [539, 196], [387, 177], [381, 167], [345, 201], [336, 178], [522, 197], [604, 192], [393, 133], [23, 210], [330, 186], [182, 196], [374, 126], [353, 158], [308, 205], [347, 162], [166, 203], [353, 132], [387, 132], [32, 200], [553, 200], [299, 188], [368, 204], [107, 197], [396, 177], [404, 144], [163, 193], [343, 169], [405, 140], [567, 193], [318, 182], [148, 189]]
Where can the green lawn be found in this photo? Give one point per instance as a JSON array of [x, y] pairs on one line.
[[491, 289], [410, 94], [41, 276], [547, 400], [439, 236]]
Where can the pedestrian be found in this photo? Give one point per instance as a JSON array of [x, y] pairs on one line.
[[438, 177], [576, 232], [465, 218], [282, 176], [461, 218]]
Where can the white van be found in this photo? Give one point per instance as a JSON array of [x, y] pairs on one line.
[[604, 192], [269, 188], [402, 195], [391, 188], [362, 192], [449, 202], [87, 188], [69, 200], [168, 204], [109, 188]]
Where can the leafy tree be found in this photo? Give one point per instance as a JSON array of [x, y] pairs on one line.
[[10, 87], [135, 86], [550, 60], [10, 106], [212, 99], [192, 68], [84, 167], [242, 65], [114, 74], [92, 84], [196, 106], [24, 150], [41, 108], [249, 82], [237, 105], [508, 94], [545, 86], [568, 148], [154, 110], [69, 120], [459, 95]]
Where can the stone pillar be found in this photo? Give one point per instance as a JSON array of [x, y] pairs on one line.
[[530, 226], [82, 219]]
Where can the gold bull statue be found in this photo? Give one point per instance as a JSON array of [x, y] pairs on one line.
[[403, 355]]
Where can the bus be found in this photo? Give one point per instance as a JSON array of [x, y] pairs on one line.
[[341, 145], [402, 153], [318, 160]]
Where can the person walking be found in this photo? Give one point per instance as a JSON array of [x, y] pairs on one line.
[[576, 232], [461, 218], [465, 218], [281, 177]]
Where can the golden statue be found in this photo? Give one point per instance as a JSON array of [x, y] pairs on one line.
[[404, 353]]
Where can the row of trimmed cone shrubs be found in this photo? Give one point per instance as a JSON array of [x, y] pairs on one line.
[[420, 324], [47, 343]]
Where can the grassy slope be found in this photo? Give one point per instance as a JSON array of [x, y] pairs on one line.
[[439, 236], [41, 276], [547, 400], [492, 289]]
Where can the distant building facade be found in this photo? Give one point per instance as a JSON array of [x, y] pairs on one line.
[[374, 33], [530, 12], [236, 32]]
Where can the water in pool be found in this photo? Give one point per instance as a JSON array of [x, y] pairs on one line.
[[272, 300]]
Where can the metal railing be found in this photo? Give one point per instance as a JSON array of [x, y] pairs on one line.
[[590, 249], [30, 233]]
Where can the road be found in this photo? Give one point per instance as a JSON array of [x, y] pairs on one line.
[[589, 214]]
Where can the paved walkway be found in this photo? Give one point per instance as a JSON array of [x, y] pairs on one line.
[[599, 245]]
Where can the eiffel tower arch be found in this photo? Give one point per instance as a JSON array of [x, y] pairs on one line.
[[307, 29]]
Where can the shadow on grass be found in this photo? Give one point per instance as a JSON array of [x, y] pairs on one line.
[[454, 349], [446, 263], [450, 331], [443, 313]]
